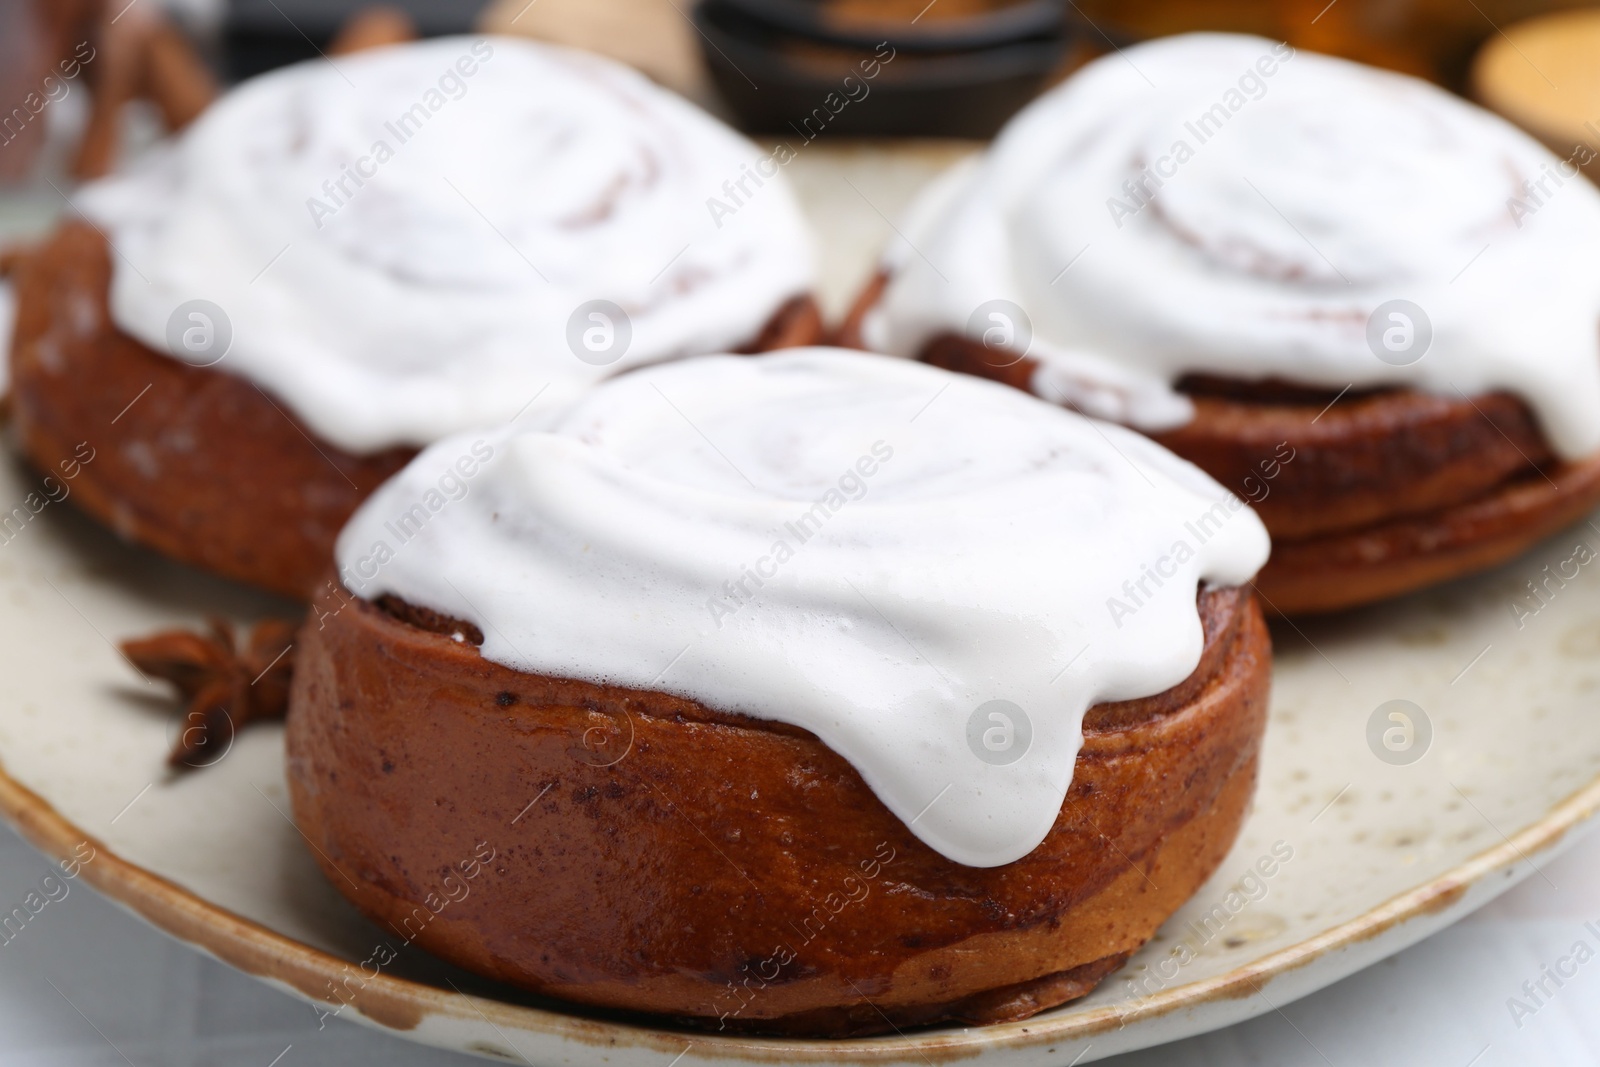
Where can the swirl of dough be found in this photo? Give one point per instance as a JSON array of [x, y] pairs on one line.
[[402, 241], [870, 548], [1226, 205]]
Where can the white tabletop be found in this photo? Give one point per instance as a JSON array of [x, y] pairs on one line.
[[88, 985]]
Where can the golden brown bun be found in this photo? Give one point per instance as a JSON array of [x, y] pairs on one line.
[[1346, 570], [203, 466], [653, 855], [195, 463], [1367, 495]]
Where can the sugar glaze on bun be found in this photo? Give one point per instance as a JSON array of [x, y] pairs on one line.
[[400, 241], [868, 548], [1225, 205]]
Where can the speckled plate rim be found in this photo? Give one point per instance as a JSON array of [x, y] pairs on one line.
[[472, 1024]]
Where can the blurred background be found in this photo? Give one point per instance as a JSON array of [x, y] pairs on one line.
[[82, 78]]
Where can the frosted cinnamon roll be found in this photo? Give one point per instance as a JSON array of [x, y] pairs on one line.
[[341, 262], [1365, 304], [847, 664]]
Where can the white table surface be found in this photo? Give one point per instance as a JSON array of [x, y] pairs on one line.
[[88, 985]]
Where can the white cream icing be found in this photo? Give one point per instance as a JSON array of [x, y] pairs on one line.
[[1143, 245], [436, 294], [866, 547]]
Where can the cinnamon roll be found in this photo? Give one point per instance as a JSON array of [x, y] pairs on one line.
[[809, 693], [341, 262], [1363, 303]]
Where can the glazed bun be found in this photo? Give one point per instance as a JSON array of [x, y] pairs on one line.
[[797, 606]]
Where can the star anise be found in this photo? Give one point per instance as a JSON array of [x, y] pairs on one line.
[[227, 683]]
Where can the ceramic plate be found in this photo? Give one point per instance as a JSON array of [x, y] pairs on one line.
[[1422, 758]]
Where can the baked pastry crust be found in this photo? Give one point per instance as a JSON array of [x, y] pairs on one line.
[[653, 855], [197, 463], [1367, 495]]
